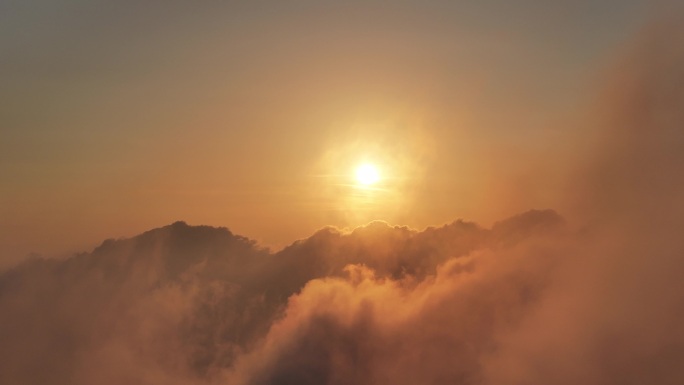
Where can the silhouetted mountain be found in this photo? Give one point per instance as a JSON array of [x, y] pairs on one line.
[[202, 292]]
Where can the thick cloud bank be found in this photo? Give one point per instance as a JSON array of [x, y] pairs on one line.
[[531, 300]]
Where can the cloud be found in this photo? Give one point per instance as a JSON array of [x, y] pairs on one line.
[[368, 329], [614, 312]]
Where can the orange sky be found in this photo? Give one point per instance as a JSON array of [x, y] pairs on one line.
[[116, 119]]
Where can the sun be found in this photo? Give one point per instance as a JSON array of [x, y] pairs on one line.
[[367, 174]]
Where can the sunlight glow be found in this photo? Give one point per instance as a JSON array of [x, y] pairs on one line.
[[367, 174]]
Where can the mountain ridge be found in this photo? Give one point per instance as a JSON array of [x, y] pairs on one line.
[[210, 295]]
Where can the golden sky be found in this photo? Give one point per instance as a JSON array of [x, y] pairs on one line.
[[119, 117]]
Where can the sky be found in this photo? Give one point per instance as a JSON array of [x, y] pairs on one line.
[[117, 117]]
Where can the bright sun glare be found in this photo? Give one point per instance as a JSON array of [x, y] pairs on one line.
[[367, 174]]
